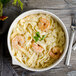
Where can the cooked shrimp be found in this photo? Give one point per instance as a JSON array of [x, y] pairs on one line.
[[43, 24], [37, 48], [17, 41], [55, 52]]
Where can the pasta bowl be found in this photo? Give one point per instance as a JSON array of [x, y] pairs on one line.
[[15, 61]]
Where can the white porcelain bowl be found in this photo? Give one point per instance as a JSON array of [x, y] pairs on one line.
[[15, 61]]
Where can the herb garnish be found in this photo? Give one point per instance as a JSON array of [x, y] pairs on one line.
[[43, 37], [37, 37], [37, 34]]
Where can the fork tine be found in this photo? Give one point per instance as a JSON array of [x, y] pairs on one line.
[[73, 19]]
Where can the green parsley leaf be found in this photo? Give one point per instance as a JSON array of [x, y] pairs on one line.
[[1, 8], [19, 3], [36, 38], [14, 2], [37, 34], [43, 37]]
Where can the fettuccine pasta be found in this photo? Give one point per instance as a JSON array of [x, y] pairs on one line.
[[37, 40]]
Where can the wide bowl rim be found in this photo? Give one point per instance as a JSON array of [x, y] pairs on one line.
[[35, 11]]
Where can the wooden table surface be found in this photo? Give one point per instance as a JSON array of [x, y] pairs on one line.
[[63, 11]]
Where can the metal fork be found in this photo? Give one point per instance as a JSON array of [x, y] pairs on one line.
[[73, 28]]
